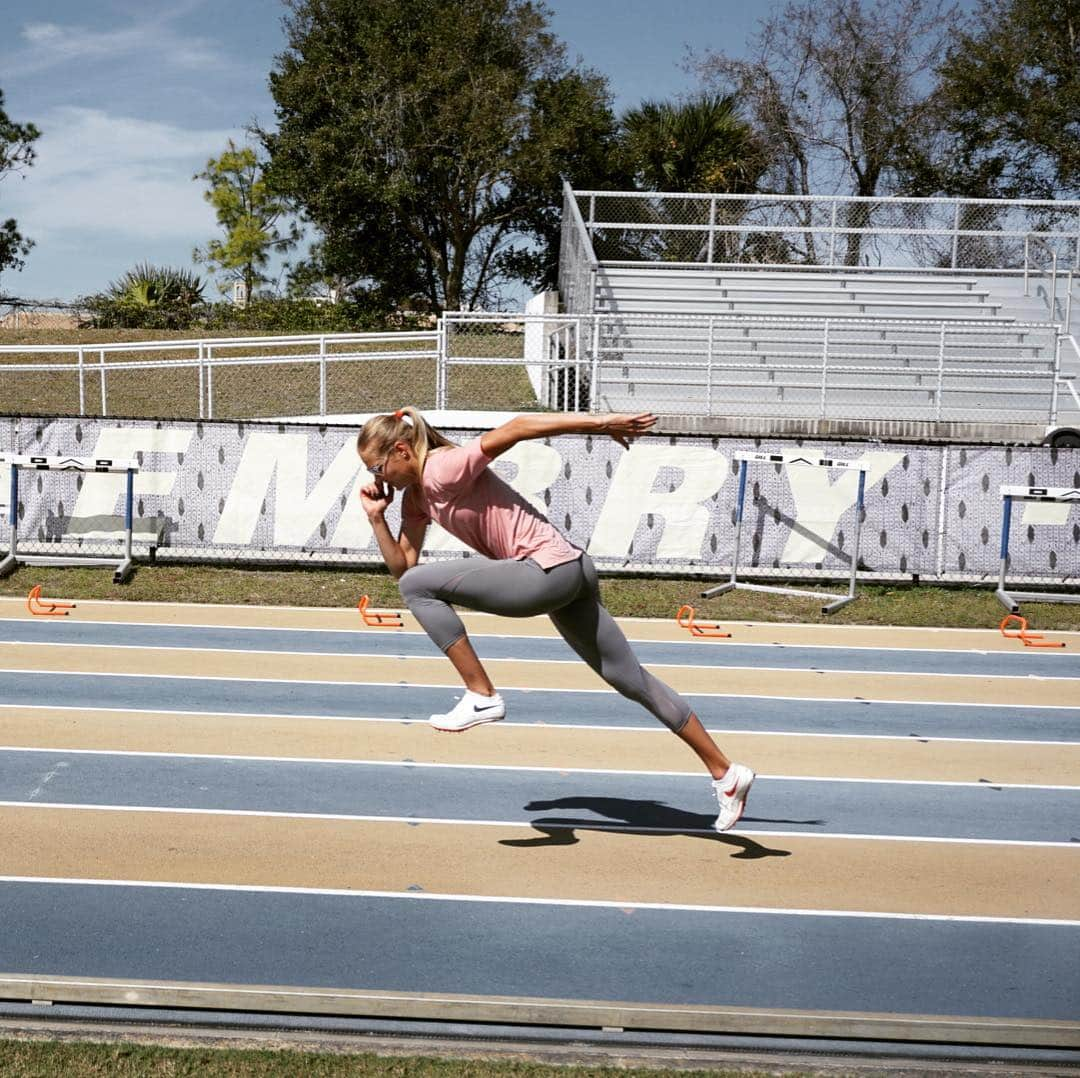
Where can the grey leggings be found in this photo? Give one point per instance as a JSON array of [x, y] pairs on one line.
[[569, 594]]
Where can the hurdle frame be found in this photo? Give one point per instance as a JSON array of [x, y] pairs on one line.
[[122, 567], [1011, 600], [796, 460]]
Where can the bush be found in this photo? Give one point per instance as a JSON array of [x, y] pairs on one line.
[[260, 316]]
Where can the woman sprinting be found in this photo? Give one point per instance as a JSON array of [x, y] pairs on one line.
[[526, 568]]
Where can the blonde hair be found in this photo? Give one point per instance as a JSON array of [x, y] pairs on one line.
[[383, 432]]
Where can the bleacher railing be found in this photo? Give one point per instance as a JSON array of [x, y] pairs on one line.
[[815, 232]]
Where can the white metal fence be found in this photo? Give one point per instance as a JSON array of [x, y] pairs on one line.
[[822, 230], [208, 378], [936, 370]]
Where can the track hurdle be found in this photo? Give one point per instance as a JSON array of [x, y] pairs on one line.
[[123, 567], [794, 460], [379, 619], [1011, 600]]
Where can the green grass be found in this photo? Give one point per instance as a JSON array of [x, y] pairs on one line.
[[962, 606], [38, 1059]]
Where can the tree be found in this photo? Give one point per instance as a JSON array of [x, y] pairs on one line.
[[16, 153], [249, 211], [1007, 105], [425, 139], [698, 145], [835, 88]]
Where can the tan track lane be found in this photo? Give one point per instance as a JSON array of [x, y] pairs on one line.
[[734, 870], [509, 673], [560, 747], [336, 618]]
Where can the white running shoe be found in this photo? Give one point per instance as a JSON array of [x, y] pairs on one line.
[[731, 793], [471, 710]]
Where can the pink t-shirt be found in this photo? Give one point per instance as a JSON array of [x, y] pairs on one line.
[[462, 494]]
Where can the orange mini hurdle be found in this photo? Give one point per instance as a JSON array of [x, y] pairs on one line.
[[46, 607], [685, 620], [379, 619], [1029, 640]]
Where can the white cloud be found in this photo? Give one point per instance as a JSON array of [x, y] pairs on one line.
[[46, 45], [98, 173]]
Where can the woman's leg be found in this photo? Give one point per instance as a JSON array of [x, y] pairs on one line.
[[591, 631], [510, 588]]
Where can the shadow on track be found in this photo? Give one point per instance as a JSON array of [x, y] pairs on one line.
[[635, 817]]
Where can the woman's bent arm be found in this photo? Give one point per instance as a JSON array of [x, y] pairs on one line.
[[620, 426], [399, 554]]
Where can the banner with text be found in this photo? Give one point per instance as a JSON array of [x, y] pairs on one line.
[[289, 492]]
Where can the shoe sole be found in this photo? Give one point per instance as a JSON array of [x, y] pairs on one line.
[[467, 726]]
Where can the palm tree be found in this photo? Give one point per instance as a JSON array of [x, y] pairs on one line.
[[700, 145], [157, 286]]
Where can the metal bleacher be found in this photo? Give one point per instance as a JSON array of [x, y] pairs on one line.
[[939, 349]]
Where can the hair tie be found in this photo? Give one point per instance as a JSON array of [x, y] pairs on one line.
[[400, 415]]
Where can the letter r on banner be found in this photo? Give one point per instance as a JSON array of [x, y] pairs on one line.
[[631, 496]]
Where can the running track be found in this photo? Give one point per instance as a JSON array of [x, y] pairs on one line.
[[239, 807]]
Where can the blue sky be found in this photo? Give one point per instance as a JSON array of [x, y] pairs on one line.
[[134, 97]]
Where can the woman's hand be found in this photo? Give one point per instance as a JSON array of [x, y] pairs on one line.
[[375, 498], [623, 426]]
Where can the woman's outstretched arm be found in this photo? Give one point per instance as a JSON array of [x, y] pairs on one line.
[[620, 426]]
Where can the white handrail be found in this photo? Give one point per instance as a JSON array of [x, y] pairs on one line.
[[879, 199]]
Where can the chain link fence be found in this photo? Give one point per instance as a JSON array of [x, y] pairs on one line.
[[17, 315], [829, 231]]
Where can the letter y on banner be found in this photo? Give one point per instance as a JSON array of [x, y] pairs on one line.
[[822, 498]]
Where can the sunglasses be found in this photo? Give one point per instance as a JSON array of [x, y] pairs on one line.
[[379, 470]]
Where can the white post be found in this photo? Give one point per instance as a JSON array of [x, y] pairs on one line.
[[832, 233], [708, 389], [824, 367], [322, 376], [1052, 419], [594, 396], [202, 383], [440, 363], [956, 233], [712, 230], [941, 369], [1053, 288], [82, 384], [104, 396]]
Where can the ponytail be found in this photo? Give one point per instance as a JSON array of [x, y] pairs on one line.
[[383, 432]]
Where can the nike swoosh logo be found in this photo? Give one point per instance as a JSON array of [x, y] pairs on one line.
[[732, 791], [486, 707]]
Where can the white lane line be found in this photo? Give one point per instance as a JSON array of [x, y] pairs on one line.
[[150, 714], [455, 687], [635, 829], [439, 765], [360, 633], [383, 655], [587, 903]]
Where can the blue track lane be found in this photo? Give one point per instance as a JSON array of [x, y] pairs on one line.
[[551, 706], [514, 949], [542, 798], [1019, 663]]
